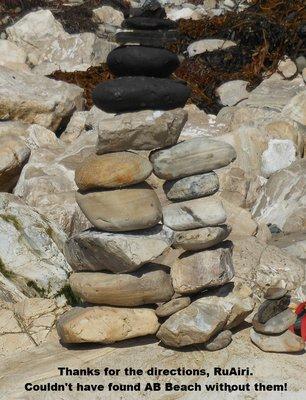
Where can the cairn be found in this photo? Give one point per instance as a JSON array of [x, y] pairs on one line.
[[116, 262]]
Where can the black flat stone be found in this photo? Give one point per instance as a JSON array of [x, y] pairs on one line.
[[144, 23], [151, 8], [141, 60], [148, 38], [140, 93]]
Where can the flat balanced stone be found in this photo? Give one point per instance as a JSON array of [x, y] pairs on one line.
[[147, 23], [105, 324], [270, 308], [287, 342], [222, 340], [173, 306], [274, 293], [151, 284], [139, 93], [196, 323], [192, 157], [148, 38], [113, 170], [194, 272], [93, 250], [142, 130], [198, 213], [143, 61], [127, 209], [192, 187], [202, 238], [277, 324]]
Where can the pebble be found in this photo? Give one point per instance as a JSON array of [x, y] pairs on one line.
[[139, 93], [277, 324], [287, 342], [172, 306], [222, 340], [192, 187], [287, 68], [127, 209]]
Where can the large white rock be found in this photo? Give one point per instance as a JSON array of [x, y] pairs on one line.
[[30, 250], [232, 92], [203, 45], [116, 252], [12, 56], [39, 100]]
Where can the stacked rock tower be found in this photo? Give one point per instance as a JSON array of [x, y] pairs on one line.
[[119, 263]]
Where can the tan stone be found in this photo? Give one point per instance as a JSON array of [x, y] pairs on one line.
[[151, 284], [120, 210], [113, 170], [106, 324], [173, 306], [287, 342]]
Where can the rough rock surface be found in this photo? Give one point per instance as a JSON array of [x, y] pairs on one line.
[[92, 250], [222, 340], [127, 209], [172, 306], [286, 342], [12, 56], [295, 109], [192, 157], [193, 272], [149, 285], [143, 130], [193, 214], [105, 324], [232, 92]]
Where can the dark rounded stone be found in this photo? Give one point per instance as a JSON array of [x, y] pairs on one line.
[[141, 60], [148, 38], [140, 93], [148, 23]]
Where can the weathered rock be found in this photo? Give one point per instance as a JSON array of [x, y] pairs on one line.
[[143, 130], [192, 214], [108, 15], [192, 157], [38, 100], [287, 68], [240, 220], [222, 340], [12, 56], [117, 252], [113, 170], [277, 324], [287, 342], [147, 38], [192, 187], [296, 108], [8, 291], [149, 285], [269, 308], [202, 238], [149, 9], [275, 293], [173, 306], [294, 244], [194, 272], [127, 209], [283, 200], [140, 93], [141, 60], [146, 23], [232, 92], [105, 324], [30, 250], [196, 323], [14, 154], [203, 45]]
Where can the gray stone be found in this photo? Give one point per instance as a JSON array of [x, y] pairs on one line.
[[173, 306], [232, 92], [142, 130], [151, 284], [287, 342], [193, 214], [202, 238], [277, 324], [192, 157], [92, 250], [192, 187], [194, 272], [222, 340]]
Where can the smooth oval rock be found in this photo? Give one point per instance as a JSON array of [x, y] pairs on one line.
[[140, 93], [127, 209], [147, 23], [142, 61], [192, 187], [222, 340], [194, 272], [93, 250], [195, 156], [277, 324], [173, 306], [151, 284], [105, 324], [198, 213], [202, 238], [113, 170], [287, 342]]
